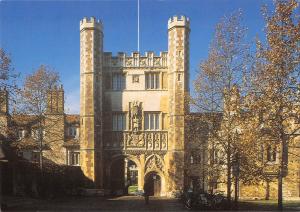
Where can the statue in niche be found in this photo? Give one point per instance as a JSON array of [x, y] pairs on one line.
[[136, 116]]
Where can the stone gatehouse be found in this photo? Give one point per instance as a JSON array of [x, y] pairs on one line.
[[132, 110]]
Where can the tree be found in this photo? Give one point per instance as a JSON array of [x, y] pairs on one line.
[[8, 88], [276, 82], [7, 72], [34, 104], [217, 90]]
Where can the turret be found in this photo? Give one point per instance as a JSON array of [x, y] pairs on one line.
[[178, 87], [91, 53]]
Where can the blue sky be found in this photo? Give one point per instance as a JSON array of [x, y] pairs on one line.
[[47, 32]]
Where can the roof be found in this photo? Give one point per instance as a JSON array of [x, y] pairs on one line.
[[72, 119], [23, 119], [28, 143], [72, 142]]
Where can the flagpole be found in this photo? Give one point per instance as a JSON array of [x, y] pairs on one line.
[[138, 27]]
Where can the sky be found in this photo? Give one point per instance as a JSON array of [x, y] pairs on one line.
[[47, 32]]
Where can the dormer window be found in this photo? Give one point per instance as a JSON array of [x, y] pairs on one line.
[[35, 133], [73, 158], [73, 131], [21, 134]]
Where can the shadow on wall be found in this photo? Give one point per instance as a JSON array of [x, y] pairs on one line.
[[21, 177]]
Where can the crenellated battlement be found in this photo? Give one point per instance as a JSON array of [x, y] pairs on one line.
[[86, 23], [178, 21], [136, 60]]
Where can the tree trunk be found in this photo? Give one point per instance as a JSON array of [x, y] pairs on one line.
[[280, 206], [40, 134], [268, 190], [236, 191], [228, 175], [41, 155]]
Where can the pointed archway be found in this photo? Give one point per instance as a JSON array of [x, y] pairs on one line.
[[123, 172], [153, 182]]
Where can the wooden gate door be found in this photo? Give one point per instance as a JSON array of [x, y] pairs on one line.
[[157, 186]]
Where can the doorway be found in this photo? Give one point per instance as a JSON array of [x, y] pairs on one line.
[[154, 181]]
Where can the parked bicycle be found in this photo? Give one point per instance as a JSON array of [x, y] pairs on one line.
[[203, 200]]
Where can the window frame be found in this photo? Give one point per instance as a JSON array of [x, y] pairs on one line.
[[152, 121], [152, 81], [118, 81], [73, 157], [119, 121]]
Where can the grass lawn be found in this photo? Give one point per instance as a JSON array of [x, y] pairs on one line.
[[132, 189], [268, 205]]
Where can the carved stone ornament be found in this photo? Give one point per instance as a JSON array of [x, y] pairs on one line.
[[129, 62], [135, 140], [135, 78], [143, 62], [154, 162], [156, 61]]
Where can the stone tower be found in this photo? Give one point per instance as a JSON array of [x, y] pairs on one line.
[[91, 51], [178, 88], [54, 125]]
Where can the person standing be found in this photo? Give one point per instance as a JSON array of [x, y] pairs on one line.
[[147, 192]]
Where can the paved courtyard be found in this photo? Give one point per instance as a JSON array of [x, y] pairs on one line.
[[129, 203], [125, 203]]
